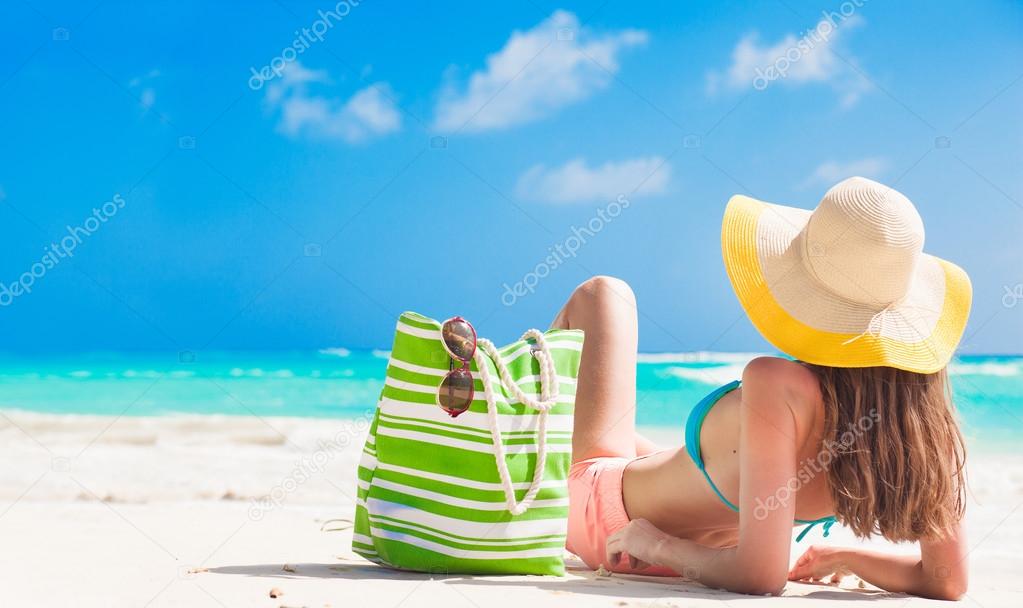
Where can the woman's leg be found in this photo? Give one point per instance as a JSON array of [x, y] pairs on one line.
[[605, 403]]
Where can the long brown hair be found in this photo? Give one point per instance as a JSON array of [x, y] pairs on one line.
[[897, 456]]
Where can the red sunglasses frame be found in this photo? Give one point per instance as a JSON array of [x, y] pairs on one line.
[[462, 370]]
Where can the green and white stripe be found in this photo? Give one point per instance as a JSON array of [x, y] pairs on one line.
[[430, 497]]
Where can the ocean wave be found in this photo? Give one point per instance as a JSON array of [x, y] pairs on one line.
[[721, 374], [1005, 370], [25, 427], [176, 458], [716, 375], [700, 356], [255, 372], [145, 374], [149, 373]]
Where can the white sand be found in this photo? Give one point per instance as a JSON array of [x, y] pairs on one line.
[[98, 512]]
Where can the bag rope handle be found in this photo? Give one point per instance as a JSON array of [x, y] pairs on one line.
[[548, 398]]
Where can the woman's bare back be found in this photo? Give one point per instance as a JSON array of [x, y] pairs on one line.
[[669, 490]]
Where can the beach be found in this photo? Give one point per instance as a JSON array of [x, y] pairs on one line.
[[217, 510], [212, 215]]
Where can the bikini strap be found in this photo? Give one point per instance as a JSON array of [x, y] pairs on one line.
[[826, 521]]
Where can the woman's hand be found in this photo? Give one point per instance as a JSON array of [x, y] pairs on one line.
[[819, 562], [640, 539]]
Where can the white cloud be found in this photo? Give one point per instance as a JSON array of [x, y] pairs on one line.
[[831, 172], [552, 65], [575, 181], [148, 98], [295, 74], [370, 112], [147, 94], [136, 81], [792, 61]]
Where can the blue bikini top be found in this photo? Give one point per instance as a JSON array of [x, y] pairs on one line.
[[693, 426]]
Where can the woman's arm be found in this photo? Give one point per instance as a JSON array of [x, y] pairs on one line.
[[940, 572], [767, 468], [716, 568]]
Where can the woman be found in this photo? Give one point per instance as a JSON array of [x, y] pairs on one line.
[[859, 428]]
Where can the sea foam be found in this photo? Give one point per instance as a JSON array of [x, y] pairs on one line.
[[1004, 370], [698, 357], [714, 375]]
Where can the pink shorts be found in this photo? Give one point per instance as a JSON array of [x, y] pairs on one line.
[[596, 510]]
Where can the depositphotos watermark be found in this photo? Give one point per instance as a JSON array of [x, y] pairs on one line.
[[565, 250], [814, 466], [57, 252], [304, 39], [309, 467], [811, 39], [1013, 295]]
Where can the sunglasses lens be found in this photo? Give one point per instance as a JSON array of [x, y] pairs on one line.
[[456, 392], [459, 338]]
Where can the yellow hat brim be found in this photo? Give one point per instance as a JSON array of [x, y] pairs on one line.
[[812, 345]]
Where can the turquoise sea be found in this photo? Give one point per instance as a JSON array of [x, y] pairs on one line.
[[337, 383]]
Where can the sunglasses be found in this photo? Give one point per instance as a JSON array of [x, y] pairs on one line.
[[456, 392]]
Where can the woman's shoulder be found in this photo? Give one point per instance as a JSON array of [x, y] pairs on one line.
[[796, 382]]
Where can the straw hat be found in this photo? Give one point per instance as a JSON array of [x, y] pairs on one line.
[[847, 284]]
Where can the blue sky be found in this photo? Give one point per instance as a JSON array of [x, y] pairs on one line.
[[427, 156]]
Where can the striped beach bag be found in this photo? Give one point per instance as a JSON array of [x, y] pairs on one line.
[[483, 491]]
